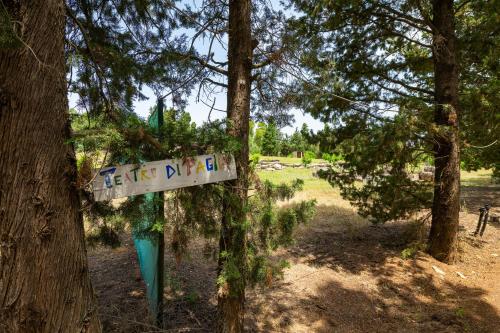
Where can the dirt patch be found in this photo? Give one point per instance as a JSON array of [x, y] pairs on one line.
[[346, 275], [119, 289], [356, 281]]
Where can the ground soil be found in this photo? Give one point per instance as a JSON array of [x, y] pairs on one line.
[[346, 275]]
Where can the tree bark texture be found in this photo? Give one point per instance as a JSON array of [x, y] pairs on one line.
[[231, 295], [44, 280], [446, 203]]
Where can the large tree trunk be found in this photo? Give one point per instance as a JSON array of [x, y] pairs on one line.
[[44, 280], [231, 295], [446, 204]]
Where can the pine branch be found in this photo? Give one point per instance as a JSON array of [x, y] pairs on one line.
[[139, 133], [220, 84], [413, 24], [405, 85]]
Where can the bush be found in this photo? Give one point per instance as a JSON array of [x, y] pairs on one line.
[[254, 160], [332, 158], [308, 157]]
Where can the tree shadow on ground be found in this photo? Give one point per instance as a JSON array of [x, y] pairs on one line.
[[120, 292], [390, 307], [347, 275], [350, 243], [352, 279], [474, 197], [190, 300], [189, 294]]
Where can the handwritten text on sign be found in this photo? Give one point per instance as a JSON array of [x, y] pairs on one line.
[[133, 179]]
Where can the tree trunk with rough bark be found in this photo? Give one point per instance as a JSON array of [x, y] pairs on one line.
[[231, 294], [44, 278], [446, 204]]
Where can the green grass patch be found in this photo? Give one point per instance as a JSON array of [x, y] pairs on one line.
[[480, 177], [283, 159], [315, 187], [287, 175]]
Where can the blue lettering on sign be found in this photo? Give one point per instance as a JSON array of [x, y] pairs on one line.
[[107, 178], [107, 171], [170, 171], [210, 165]]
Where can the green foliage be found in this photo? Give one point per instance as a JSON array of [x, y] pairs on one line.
[[259, 135], [270, 140], [411, 251], [103, 235], [100, 143], [192, 297], [308, 157], [375, 177], [332, 158], [480, 53], [106, 225], [370, 79], [8, 35], [272, 227], [460, 312], [254, 160], [298, 142]]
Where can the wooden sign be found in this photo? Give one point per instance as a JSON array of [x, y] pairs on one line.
[[133, 179]]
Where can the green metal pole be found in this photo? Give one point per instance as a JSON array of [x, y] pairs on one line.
[[161, 244]]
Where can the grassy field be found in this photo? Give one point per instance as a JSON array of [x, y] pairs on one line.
[[314, 185], [283, 159], [476, 178]]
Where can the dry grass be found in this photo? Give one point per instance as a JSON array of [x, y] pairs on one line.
[[346, 276]]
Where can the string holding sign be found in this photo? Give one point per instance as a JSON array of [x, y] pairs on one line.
[[133, 179]]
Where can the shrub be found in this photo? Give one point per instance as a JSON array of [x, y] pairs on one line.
[[308, 157]]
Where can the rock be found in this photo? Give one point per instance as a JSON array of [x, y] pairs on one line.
[[429, 168], [426, 176], [277, 166], [438, 270], [461, 275], [413, 176], [268, 162]]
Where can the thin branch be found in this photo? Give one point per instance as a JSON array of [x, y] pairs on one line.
[[481, 147], [405, 85], [220, 84], [397, 34], [212, 107], [205, 64]]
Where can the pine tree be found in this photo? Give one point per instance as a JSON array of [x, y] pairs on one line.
[[446, 202], [270, 140], [385, 74], [259, 134], [233, 238], [480, 50], [44, 276], [150, 53]]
